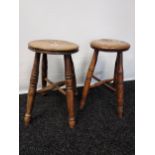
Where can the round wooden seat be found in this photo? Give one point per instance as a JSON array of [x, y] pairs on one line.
[[53, 46], [110, 45]]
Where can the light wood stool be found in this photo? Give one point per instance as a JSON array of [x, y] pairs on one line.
[[56, 47], [107, 45]]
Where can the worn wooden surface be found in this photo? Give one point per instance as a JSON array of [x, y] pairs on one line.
[[110, 45], [53, 46]]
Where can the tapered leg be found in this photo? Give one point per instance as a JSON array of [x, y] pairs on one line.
[[70, 90], [119, 85], [115, 71], [32, 89], [88, 79], [44, 71], [74, 78]]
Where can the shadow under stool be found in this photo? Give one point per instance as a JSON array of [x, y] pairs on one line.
[[55, 47], [107, 45]]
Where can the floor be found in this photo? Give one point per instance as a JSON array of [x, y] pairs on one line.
[[98, 130]]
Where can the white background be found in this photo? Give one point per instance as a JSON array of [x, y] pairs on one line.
[[145, 75], [79, 21]]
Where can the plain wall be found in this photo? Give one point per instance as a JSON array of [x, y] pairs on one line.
[[79, 21]]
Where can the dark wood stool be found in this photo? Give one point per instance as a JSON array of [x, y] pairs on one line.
[[107, 45], [57, 47]]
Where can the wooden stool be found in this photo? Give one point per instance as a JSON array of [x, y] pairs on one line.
[[107, 46], [57, 47]]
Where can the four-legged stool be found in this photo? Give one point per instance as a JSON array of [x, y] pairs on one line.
[[107, 45], [56, 47]]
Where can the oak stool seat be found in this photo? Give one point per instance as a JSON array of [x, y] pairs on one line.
[[110, 45], [53, 46], [114, 84], [56, 47]]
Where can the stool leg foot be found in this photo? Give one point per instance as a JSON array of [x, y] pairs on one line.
[[70, 89], [120, 85], [120, 111], [88, 79], [44, 71], [72, 122], [32, 89], [27, 119]]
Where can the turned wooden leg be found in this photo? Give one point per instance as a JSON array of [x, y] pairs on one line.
[[44, 71], [119, 85], [32, 89], [69, 90], [115, 71], [88, 79]]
